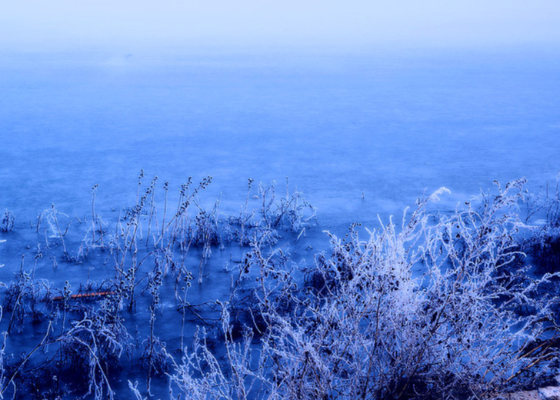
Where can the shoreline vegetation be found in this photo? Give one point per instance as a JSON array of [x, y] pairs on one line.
[[456, 305]]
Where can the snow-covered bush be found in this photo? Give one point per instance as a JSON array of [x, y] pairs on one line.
[[428, 310], [291, 212], [202, 375], [91, 346]]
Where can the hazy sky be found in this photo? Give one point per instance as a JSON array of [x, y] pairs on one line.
[[62, 23]]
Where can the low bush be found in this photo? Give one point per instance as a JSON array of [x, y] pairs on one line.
[[472, 324]]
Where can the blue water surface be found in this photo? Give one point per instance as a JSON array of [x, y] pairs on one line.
[[390, 125]]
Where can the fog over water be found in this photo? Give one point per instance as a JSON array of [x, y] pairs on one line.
[[40, 25]]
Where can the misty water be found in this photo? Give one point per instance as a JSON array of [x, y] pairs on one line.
[[360, 135]]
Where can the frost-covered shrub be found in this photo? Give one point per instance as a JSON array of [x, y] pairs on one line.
[[201, 375], [21, 299], [205, 231], [376, 331], [91, 346], [86, 353], [291, 212], [470, 322], [454, 330]]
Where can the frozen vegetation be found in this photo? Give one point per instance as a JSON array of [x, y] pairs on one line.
[[456, 304]]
